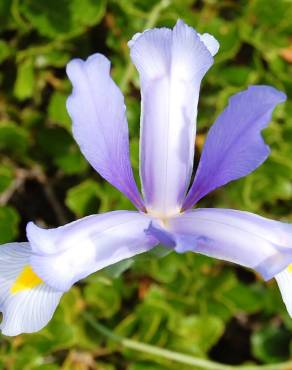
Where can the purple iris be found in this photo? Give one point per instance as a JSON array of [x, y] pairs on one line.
[[171, 65]]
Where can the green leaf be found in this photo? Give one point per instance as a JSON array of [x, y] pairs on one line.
[[103, 297], [196, 334], [271, 344], [227, 33], [6, 177], [236, 75], [5, 16], [165, 269], [59, 146], [13, 138], [54, 142], [47, 367], [116, 270], [160, 251], [5, 50], [25, 81], [72, 162], [269, 16], [57, 110], [57, 335], [104, 366], [52, 58], [57, 18], [9, 220], [26, 358], [82, 199], [244, 297]]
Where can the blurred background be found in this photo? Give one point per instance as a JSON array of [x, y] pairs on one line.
[[186, 303]]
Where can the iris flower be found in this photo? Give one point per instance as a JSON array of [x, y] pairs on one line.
[[171, 64]]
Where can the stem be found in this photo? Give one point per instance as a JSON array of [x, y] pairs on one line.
[[56, 44], [36, 173], [50, 194], [153, 17], [176, 356]]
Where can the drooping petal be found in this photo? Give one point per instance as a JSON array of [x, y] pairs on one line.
[[100, 127], [284, 280], [234, 146], [26, 302], [171, 64], [235, 236], [69, 253]]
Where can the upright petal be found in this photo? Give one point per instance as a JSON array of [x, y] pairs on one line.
[[234, 146], [171, 64], [98, 112], [69, 253], [26, 302], [235, 236]]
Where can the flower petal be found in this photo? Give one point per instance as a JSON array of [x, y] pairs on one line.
[[26, 302], [74, 251], [284, 280], [171, 64], [235, 236], [210, 42], [98, 112], [234, 146]]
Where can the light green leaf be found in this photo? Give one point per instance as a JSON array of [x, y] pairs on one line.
[[9, 220], [57, 110], [196, 334], [25, 81], [57, 18], [13, 138], [82, 199], [103, 297], [6, 177], [271, 344], [5, 50]]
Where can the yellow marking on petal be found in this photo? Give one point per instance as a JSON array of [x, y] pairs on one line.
[[27, 279], [289, 268]]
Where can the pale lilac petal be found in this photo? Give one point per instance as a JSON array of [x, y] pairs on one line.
[[234, 146], [69, 253], [210, 42], [171, 64], [28, 309], [98, 112], [284, 280], [235, 236]]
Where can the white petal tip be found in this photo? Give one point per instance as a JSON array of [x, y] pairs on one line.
[[37, 237], [210, 42], [75, 67], [134, 39]]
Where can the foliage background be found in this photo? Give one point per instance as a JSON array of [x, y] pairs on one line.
[[187, 303]]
